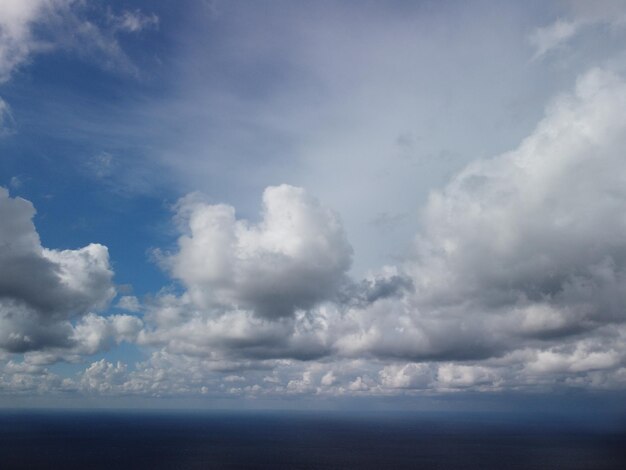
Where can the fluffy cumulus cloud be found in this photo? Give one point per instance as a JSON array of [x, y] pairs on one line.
[[294, 258], [523, 250], [45, 294], [538, 233], [517, 279], [252, 288]]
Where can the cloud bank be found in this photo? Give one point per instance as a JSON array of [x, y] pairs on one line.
[[517, 278]]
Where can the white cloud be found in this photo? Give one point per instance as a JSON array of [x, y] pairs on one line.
[[23, 378], [95, 333], [525, 227], [42, 290], [452, 376], [103, 376], [254, 291], [584, 363], [130, 303], [294, 258], [528, 244], [522, 251], [409, 375], [16, 39], [199, 332]]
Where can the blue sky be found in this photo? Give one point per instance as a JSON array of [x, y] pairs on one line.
[[216, 201]]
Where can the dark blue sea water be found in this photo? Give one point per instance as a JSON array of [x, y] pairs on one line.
[[275, 440]]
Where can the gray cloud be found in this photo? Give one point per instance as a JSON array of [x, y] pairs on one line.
[[523, 247], [43, 290], [382, 286]]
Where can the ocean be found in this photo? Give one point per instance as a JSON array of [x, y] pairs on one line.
[[293, 440]]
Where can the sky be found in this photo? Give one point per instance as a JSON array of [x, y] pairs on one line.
[[252, 203]]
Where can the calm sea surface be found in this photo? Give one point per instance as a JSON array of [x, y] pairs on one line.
[[113, 440]]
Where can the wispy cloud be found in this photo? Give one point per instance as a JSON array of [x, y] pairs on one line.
[[7, 122], [550, 37], [581, 16]]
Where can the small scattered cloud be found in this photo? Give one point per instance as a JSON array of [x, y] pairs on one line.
[[580, 16], [15, 182], [130, 303], [7, 123], [101, 166], [553, 36], [133, 21]]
